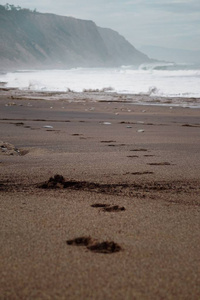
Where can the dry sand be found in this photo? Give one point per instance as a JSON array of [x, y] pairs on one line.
[[131, 180]]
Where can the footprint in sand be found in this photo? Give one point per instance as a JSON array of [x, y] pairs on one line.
[[139, 173], [108, 142], [19, 124], [99, 205], [108, 207], [105, 247], [81, 241], [160, 164], [191, 125], [140, 149], [114, 208], [93, 245], [116, 145]]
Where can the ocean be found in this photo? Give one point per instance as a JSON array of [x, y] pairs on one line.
[[157, 80]]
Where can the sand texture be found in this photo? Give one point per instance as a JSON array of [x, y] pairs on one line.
[[99, 200]]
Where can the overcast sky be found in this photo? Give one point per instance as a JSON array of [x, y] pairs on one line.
[[167, 23]]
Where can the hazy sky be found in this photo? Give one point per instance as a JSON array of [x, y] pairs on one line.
[[167, 23]]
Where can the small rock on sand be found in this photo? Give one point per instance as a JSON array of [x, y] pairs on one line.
[[8, 149]]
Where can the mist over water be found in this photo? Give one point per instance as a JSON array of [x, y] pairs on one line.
[[158, 79]]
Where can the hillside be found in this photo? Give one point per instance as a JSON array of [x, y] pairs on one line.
[[36, 40]]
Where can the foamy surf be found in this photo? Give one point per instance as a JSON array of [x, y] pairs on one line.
[[154, 80]]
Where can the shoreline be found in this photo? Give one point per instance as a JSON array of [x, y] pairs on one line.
[[123, 223], [101, 96]]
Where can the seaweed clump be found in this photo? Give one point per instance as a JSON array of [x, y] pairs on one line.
[[58, 181]]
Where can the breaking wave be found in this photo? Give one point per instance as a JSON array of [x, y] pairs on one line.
[[158, 79]]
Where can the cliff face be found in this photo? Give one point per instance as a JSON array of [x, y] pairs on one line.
[[35, 40], [120, 51]]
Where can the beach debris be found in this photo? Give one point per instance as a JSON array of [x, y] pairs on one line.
[[106, 123], [140, 130], [58, 181], [128, 126], [8, 149], [47, 126], [132, 189], [11, 104]]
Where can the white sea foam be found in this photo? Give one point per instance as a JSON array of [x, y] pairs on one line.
[[162, 80]]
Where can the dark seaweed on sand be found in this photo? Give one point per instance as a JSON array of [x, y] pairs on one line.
[[129, 189], [58, 181]]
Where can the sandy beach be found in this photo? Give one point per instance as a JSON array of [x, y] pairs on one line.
[[122, 223]]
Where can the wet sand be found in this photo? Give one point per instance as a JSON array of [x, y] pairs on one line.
[[122, 223]]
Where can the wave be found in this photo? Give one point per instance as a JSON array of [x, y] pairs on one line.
[[158, 79], [163, 66], [177, 67]]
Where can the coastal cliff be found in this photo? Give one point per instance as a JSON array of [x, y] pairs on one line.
[[35, 40]]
